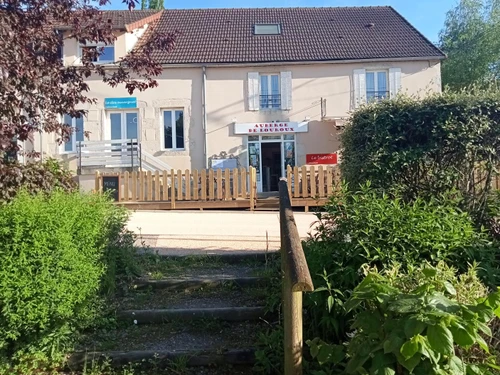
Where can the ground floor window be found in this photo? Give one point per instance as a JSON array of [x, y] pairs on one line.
[[76, 135], [173, 129], [270, 155]]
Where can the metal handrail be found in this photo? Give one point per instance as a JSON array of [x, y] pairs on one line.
[[296, 279]]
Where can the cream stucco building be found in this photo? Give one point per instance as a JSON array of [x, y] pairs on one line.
[[270, 87]]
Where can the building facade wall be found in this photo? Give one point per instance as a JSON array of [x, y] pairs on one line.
[[227, 103]]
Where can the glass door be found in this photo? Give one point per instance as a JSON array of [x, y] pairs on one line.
[[254, 159], [123, 127]]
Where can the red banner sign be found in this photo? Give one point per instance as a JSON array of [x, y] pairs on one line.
[[315, 159]]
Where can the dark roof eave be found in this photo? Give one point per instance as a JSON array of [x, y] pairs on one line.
[[306, 62]]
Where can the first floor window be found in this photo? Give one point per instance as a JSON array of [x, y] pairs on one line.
[[77, 133], [101, 53], [173, 129], [377, 87], [270, 95]]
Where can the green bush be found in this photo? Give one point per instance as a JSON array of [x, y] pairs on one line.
[[53, 254], [422, 328], [369, 228], [427, 146], [34, 177]]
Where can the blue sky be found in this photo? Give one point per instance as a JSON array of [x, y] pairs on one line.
[[426, 15]]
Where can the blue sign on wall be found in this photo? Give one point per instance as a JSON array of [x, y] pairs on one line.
[[116, 103]]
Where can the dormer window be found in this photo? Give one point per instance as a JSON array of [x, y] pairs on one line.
[[267, 29], [106, 52]]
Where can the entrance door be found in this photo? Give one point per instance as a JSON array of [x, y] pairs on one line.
[[270, 155], [271, 166], [123, 126]]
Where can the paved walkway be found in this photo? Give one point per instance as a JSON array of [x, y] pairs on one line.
[[211, 232]]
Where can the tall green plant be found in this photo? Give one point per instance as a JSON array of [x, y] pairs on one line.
[[427, 146], [54, 251], [369, 228], [423, 331]]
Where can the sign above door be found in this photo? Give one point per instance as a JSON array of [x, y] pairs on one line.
[[270, 127], [119, 103]]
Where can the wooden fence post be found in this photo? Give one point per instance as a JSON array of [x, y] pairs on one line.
[[97, 182], [296, 279], [252, 187]]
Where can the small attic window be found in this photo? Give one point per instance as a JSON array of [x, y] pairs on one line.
[[267, 29]]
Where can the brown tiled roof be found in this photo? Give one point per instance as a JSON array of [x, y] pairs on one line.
[[126, 19], [123, 18], [307, 34]]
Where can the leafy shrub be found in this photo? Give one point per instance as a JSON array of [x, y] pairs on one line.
[[425, 330], [371, 228], [53, 253], [427, 146], [34, 177]]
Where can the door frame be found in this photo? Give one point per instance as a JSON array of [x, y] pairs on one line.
[[270, 139]]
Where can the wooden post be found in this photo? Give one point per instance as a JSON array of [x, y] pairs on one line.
[[236, 178], [187, 180], [289, 180], [227, 184], [157, 185], [165, 186], [296, 182], [142, 191], [211, 185], [312, 179], [321, 182], [179, 185], [296, 279], [252, 187], [172, 192], [305, 192], [126, 193], [150, 186], [329, 181], [219, 184], [243, 173], [195, 184], [203, 184], [134, 186], [97, 182]]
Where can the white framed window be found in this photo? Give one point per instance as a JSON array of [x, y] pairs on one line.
[[269, 91], [377, 85], [76, 135], [123, 124], [172, 129], [106, 52]]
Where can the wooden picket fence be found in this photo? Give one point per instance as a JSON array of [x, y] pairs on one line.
[[183, 189], [313, 182]]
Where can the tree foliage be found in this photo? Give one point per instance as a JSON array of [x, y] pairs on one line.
[[427, 146], [470, 39], [152, 4], [36, 87]]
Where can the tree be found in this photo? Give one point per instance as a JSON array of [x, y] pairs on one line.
[[471, 40], [36, 87], [153, 4]]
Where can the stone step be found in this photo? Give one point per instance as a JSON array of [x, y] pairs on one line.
[[192, 283], [163, 359], [159, 316], [201, 343]]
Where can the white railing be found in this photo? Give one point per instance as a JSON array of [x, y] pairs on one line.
[[151, 163], [117, 153]]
